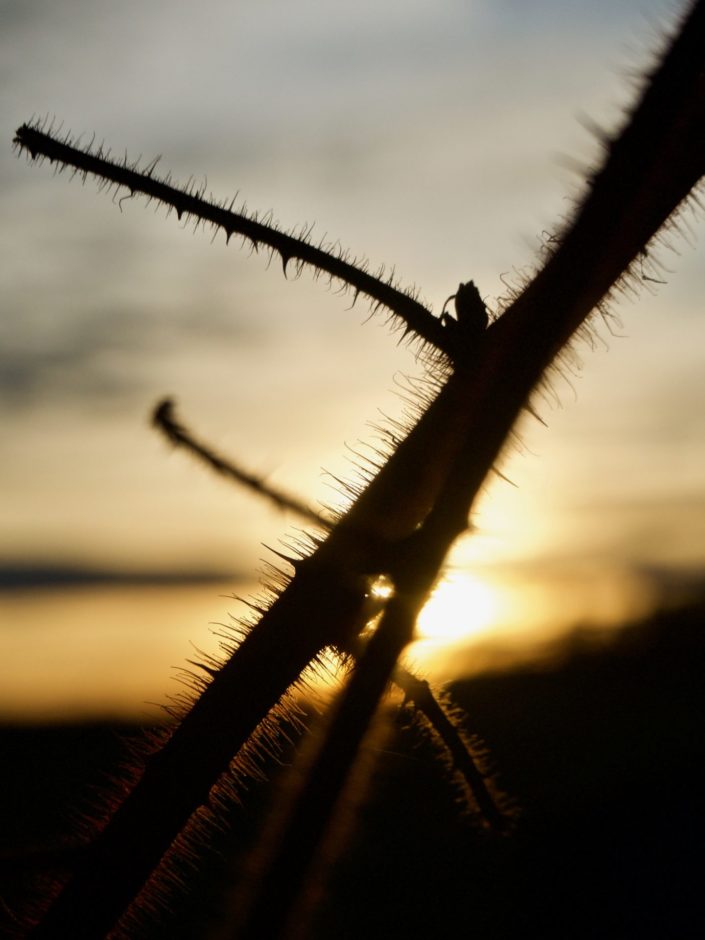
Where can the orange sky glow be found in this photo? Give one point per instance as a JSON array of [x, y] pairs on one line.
[[443, 141]]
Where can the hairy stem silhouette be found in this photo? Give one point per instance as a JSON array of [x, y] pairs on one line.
[[164, 419], [412, 510], [416, 691], [190, 202]]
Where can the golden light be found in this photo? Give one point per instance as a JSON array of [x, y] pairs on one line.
[[461, 606], [382, 588]]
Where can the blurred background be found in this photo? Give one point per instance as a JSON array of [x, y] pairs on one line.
[[438, 137]]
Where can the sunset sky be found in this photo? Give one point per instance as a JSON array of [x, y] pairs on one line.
[[437, 136]]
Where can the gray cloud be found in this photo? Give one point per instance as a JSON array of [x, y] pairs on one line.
[[109, 355], [19, 576]]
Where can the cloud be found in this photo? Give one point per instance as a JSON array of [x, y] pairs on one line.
[[38, 577]]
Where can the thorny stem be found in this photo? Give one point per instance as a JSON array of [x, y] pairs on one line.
[[281, 892], [417, 318], [325, 604], [164, 418], [420, 693], [416, 570], [416, 690]]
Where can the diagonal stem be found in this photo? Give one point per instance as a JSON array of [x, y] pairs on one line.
[[416, 690], [164, 419]]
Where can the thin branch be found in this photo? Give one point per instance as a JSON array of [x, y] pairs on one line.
[[164, 419], [35, 141], [420, 693]]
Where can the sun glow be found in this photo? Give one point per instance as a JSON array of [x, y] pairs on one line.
[[460, 607]]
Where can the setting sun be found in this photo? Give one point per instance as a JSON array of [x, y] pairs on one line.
[[461, 605]]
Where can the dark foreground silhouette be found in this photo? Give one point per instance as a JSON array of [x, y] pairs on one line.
[[603, 748]]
